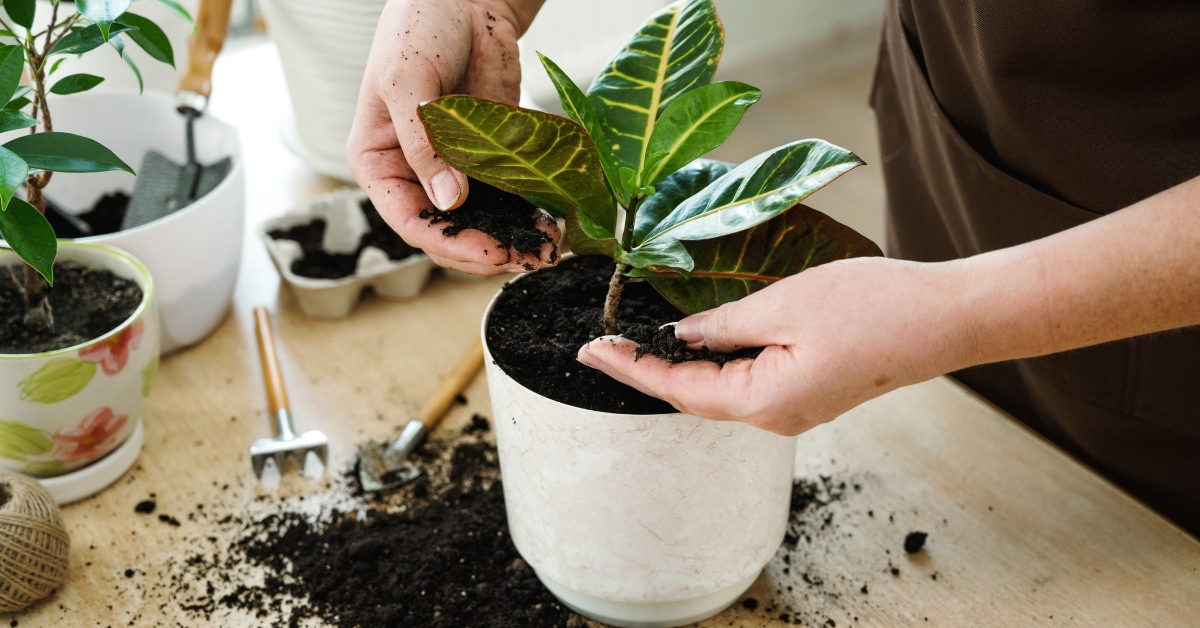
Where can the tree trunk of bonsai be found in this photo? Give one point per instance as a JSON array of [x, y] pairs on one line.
[[37, 306], [615, 286]]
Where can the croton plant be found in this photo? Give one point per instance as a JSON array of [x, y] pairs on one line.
[[627, 175], [34, 52]]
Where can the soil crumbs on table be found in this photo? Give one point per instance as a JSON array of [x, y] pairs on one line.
[[508, 218], [86, 303], [540, 322], [660, 341], [436, 552], [316, 263]]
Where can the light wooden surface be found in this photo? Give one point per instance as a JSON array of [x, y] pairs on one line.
[[1019, 533]]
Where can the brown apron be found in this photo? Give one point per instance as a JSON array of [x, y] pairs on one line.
[[1131, 408]]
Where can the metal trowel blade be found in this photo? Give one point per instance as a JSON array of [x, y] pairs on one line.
[[377, 473], [163, 187]]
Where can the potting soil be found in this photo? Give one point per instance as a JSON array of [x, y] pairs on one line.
[[661, 342], [103, 218], [316, 263], [86, 303], [509, 219]]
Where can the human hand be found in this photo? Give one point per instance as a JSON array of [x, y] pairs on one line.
[[835, 336], [424, 49]]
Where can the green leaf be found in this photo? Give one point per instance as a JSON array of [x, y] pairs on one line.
[[22, 91], [660, 255], [30, 236], [118, 42], [12, 119], [733, 266], [54, 66], [45, 468], [65, 152], [177, 9], [587, 238], [673, 190], [57, 380], [150, 37], [21, 11], [756, 191], [102, 12], [75, 83], [577, 105], [694, 124], [85, 39], [17, 103], [12, 64], [17, 441], [8, 33], [547, 159], [13, 170], [676, 50]]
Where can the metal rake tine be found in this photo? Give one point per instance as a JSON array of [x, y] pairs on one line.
[[280, 461], [258, 461], [322, 452]]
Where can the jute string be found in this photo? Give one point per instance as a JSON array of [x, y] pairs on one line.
[[34, 545]]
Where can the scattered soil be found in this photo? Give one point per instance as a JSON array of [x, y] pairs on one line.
[[661, 342], [104, 217], [145, 507], [540, 322], [509, 219], [85, 303], [316, 263], [914, 542]]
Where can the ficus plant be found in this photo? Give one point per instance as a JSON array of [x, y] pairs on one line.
[[29, 57], [626, 170]]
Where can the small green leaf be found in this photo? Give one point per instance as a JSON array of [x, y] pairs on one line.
[[696, 123], [17, 441], [733, 266], [661, 255], [148, 374], [12, 119], [674, 51], [673, 190], [13, 170], [54, 66], [588, 238], [756, 191], [45, 468], [118, 42], [102, 12], [21, 11], [150, 37], [12, 64], [57, 380], [65, 152], [177, 9], [85, 39], [8, 33], [549, 160], [577, 105], [75, 83], [17, 103], [30, 236]]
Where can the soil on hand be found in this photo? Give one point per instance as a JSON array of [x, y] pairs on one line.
[[316, 263], [509, 219], [104, 217], [540, 322], [661, 342], [86, 303]]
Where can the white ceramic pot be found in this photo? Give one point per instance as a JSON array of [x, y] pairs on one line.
[[63, 411], [193, 253], [323, 46], [638, 520]]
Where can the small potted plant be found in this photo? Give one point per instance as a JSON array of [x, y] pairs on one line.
[[630, 512], [77, 355]]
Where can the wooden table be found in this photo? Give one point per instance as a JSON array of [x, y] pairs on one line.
[[1020, 533]]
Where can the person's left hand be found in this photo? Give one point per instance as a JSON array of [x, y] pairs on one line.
[[835, 336]]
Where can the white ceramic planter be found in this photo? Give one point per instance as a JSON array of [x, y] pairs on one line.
[[193, 253], [638, 520], [335, 298], [73, 416]]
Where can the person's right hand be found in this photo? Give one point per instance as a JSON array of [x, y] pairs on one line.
[[424, 49]]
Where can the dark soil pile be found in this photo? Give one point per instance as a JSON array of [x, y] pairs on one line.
[[103, 218], [915, 542], [316, 263], [540, 322], [661, 342], [509, 219], [86, 303]]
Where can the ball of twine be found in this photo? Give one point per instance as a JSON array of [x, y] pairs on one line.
[[34, 545]]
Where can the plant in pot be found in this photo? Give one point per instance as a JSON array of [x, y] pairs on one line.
[[631, 512], [77, 355]]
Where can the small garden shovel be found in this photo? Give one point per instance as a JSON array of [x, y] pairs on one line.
[[163, 186], [380, 468]]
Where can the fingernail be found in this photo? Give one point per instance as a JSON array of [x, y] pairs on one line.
[[586, 358], [445, 189], [691, 329]]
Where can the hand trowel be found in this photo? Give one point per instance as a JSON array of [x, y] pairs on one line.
[[163, 186]]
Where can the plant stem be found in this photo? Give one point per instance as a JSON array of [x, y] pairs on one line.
[[37, 307], [616, 285]]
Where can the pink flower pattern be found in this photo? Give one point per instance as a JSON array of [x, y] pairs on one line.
[[95, 436], [113, 354]]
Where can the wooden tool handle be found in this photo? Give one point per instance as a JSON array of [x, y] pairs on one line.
[[277, 398], [212, 21], [454, 383]]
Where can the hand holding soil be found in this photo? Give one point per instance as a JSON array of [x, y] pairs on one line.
[[835, 336], [423, 50]]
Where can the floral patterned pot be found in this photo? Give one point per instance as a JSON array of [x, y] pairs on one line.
[[62, 410]]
